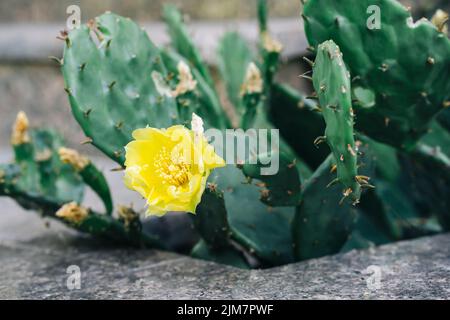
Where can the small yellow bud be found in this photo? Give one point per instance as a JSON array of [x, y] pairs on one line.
[[440, 19], [270, 44], [253, 82], [73, 158], [127, 214], [186, 80], [20, 130], [72, 212]]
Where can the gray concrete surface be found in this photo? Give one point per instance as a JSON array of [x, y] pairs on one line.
[[34, 259]]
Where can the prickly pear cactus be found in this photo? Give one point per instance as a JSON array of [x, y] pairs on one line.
[[90, 174], [404, 64], [109, 67], [320, 226], [331, 80], [118, 81], [263, 231], [234, 56], [42, 174], [51, 179]]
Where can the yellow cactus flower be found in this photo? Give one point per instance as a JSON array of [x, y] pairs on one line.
[[169, 167]]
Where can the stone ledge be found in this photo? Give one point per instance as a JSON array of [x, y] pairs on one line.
[[34, 267]]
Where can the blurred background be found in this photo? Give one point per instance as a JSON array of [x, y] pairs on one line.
[[31, 82]]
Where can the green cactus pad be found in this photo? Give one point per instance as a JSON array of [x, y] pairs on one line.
[[405, 64], [281, 189], [321, 226], [95, 179], [428, 180], [262, 230], [42, 173], [211, 219], [332, 83], [110, 84], [234, 56]]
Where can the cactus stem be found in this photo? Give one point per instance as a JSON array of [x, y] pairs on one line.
[[305, 17]]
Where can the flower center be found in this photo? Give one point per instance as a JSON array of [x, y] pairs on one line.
[[173, 169]]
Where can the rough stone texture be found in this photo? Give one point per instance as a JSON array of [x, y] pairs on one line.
[[34, 260]]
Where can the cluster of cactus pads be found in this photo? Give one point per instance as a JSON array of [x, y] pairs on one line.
[[364, 160]]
